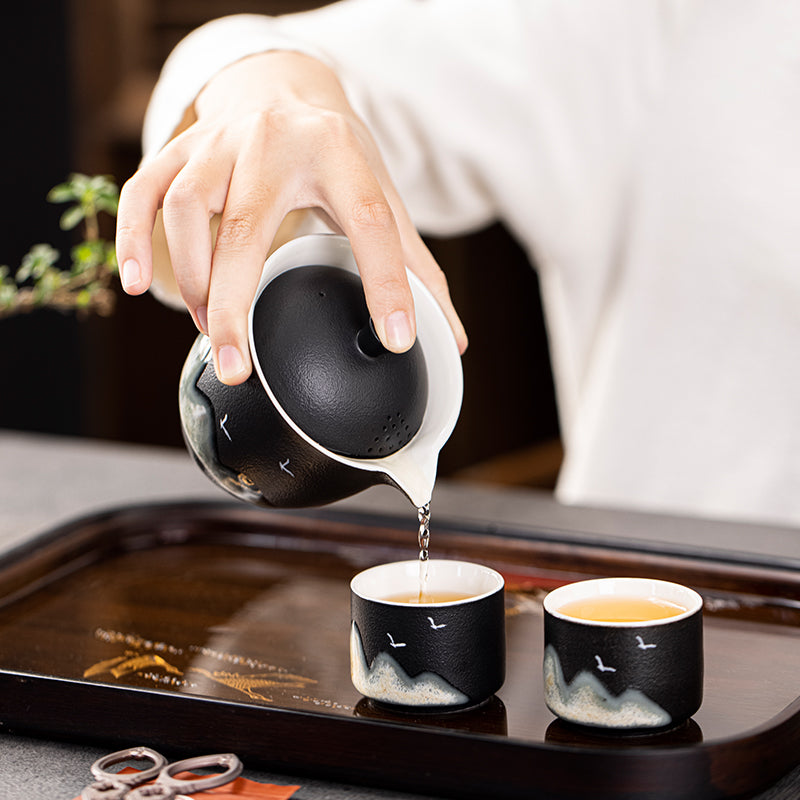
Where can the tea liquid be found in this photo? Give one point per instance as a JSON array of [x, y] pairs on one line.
[[621, 609], [424, 540], [425, 598]]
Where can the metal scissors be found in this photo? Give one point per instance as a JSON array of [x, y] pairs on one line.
[[116, 786]]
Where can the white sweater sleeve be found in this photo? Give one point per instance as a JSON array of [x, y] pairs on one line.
[[516, 109]]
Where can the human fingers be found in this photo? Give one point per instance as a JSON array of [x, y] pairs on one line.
[[141, 197], [422, 263], [415, 254], [253, 210], [139, 201], [379, 254], [351, 195], [194, 196]]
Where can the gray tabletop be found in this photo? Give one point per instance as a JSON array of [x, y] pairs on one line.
[[47, 480]]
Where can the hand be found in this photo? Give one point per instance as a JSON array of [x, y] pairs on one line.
[[273, 133]]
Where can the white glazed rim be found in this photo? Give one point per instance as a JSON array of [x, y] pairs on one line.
[[443, 575], [624, 587]]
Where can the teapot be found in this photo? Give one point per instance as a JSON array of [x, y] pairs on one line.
[[327, 410]]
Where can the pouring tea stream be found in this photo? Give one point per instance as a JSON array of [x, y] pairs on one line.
[[327, 411]]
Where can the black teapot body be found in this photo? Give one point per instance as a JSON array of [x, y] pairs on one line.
[[327, 412]]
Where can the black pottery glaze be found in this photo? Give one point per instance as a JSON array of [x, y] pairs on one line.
[[262, 452], [328, 370]]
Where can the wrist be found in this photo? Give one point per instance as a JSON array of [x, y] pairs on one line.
[[259, 81]]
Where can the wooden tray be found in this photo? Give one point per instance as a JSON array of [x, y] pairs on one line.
[[217, 627]]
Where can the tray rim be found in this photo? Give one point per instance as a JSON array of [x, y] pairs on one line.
[[516, 532], [28, 686], [654, 762], [707, 555]]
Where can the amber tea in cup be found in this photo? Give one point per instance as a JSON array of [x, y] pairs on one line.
[[623, 653], [423, 597], [622, 609]]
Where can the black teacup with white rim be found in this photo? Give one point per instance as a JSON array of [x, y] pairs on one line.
[[623, 654], [442, 651]]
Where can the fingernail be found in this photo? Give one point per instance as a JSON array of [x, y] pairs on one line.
[[130, 273], [399, 335], [202, 318], [230, 362]]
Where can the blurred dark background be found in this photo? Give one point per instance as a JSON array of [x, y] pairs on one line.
[[78, 76]]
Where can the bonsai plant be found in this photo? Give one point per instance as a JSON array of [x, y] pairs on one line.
[[85, 286]]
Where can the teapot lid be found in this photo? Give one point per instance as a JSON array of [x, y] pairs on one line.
[[319, 354]]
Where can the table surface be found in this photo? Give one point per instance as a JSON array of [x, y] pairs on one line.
[[47, 480]]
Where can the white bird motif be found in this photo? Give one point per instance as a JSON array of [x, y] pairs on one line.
[[435, 626], [642, 645], [393, 643], [602, 667], [223, 428]]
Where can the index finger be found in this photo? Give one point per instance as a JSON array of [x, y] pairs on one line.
[[364, 214], [139, 201]]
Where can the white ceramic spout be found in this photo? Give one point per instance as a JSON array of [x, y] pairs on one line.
[[413, 468]]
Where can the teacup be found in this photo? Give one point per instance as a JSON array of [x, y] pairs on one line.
[[444, 650], [623, 653]]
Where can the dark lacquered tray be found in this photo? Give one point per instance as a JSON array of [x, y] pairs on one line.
[[218, 627]]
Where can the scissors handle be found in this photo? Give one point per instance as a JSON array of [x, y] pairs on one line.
[[154, 791], [100, 767], [105, 790], [116, 786], [232, 770]]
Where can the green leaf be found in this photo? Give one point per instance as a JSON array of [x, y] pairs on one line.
[[83, 299], [97, 191], [80, 182], [63, 193], [109, 204], [42, 291], [8, 295], [111, 257], [37, 261], [72, 217], [50, 280], [88, 255]]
